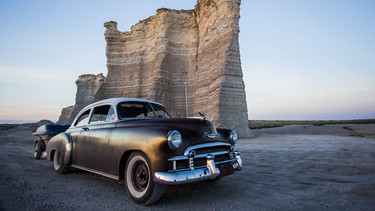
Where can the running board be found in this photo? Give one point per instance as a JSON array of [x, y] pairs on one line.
[[96, 172]]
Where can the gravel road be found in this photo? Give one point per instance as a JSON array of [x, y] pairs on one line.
[[290, 168]]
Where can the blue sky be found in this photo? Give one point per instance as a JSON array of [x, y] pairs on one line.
[[301, 59]]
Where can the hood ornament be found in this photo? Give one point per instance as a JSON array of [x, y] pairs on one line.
[[203, 115], [210, 136]]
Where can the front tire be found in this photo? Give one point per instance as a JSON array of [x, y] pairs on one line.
[[58, 163], [139, 183], [213, 181]]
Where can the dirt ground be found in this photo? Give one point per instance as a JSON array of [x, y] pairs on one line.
[[290, 168]]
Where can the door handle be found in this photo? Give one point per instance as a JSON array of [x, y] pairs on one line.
[[85, 128]]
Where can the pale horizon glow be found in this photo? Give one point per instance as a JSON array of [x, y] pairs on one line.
[[301, 60]]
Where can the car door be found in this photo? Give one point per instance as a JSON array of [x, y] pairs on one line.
[[93, 142], [79, 133]]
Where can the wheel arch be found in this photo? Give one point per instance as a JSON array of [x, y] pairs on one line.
[[124, 158], [63, 143], [52, 154]]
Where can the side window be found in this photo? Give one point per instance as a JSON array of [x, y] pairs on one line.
[[83, 119], [111, 116], [160, 111], [100, 114]]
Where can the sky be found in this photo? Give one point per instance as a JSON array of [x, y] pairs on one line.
[[301, 59]]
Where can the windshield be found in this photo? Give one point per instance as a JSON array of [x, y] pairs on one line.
[[141, 110]]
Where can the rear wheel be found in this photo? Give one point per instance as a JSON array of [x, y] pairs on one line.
[[37, 151], [58, 163], [139, 183]]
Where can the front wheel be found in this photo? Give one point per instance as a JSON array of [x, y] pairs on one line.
[[58, 163], [213, 181], [139, 184]]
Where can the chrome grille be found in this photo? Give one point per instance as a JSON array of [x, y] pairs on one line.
[[223, 153]]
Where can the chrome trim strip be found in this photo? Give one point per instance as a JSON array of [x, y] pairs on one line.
[[182, 157], [208, 172], [204, 145], [95, 172], [212, 153], [174, 165], [203, 172], [211, 136], [68, 153], [193, 175], [68, 147], [183, 177], [234, 160], [211, 165], [239, 160]]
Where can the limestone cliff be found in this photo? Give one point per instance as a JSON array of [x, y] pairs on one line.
[[176, 52], [65, 115], [153, 60], [87, 86], [218, 86], [161, 53]]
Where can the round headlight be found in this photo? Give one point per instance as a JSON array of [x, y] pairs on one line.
[[174, 139], [233, 137]]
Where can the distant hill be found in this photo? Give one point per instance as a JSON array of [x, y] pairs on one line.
[[260, 124], [9, 121], [32, 125]]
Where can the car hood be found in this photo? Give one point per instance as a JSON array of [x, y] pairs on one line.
[[193, 130]]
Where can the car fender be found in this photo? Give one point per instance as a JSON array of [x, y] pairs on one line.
[[151, 141], [63, 143], [224, 135]]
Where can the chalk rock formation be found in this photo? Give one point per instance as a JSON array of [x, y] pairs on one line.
[[173, 56], [87, 86], [154, 60], [217, 83], [65, 115], [199, 47]]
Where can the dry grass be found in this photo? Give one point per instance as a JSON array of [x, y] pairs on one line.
[[259, 124]]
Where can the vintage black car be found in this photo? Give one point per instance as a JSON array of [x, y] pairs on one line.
[[137, 140]]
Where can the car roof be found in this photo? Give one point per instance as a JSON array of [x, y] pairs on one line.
[[116, 101]]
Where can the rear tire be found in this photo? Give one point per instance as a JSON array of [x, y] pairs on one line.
[[58, 163], [139, 182], [37, 151]]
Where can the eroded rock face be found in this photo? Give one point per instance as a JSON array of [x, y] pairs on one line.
[[65, 115], [87, 86], [199, 47], [154, 60], [217, 84], [176, 52]]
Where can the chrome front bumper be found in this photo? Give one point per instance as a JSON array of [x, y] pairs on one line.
[[209, 172]]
